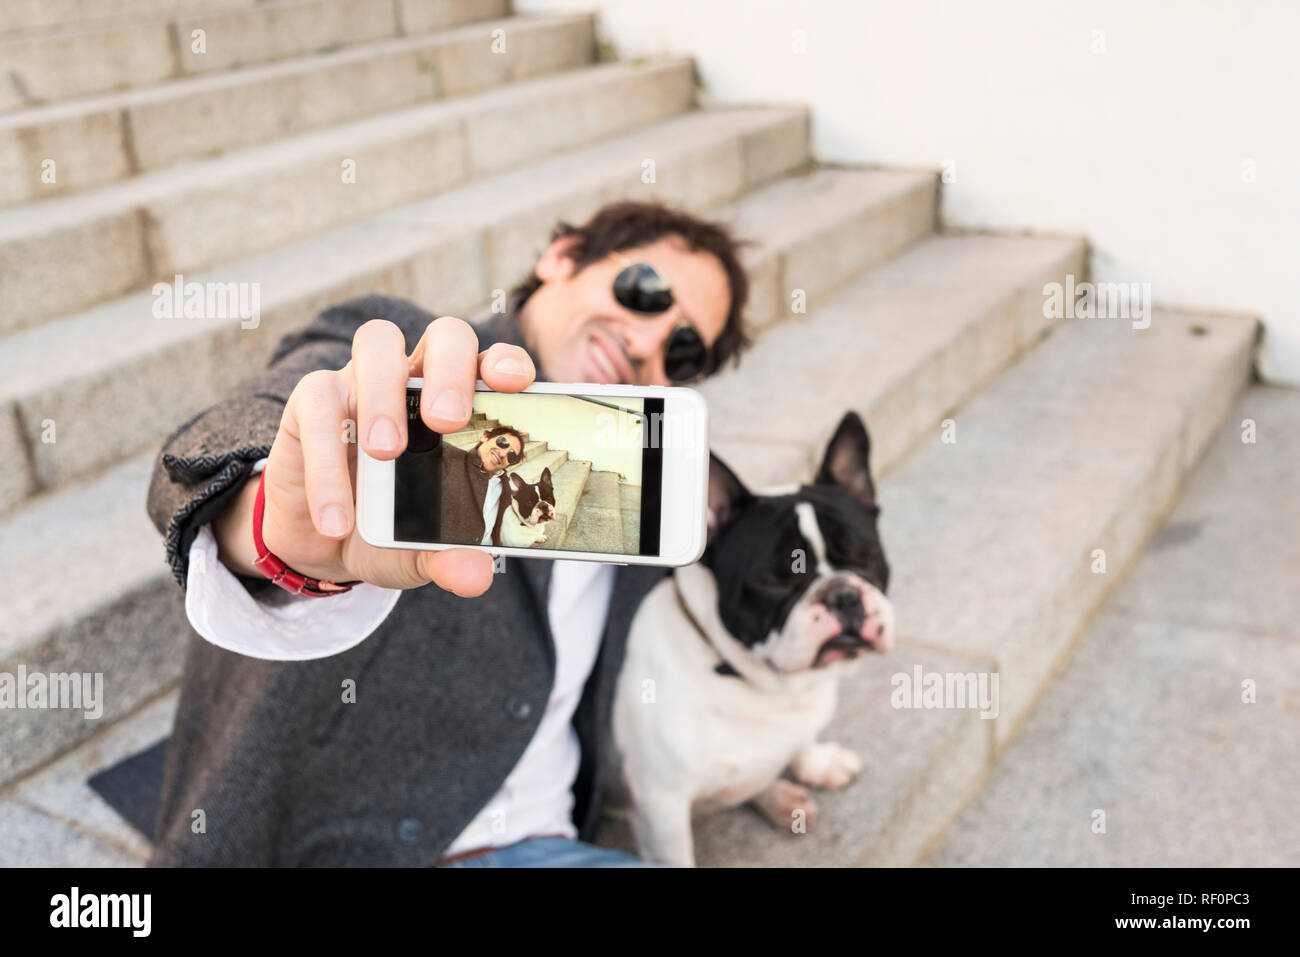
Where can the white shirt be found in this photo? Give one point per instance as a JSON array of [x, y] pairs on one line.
[[537, 796], [490, 502]]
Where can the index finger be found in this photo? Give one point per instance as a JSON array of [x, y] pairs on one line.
[[447, 355]]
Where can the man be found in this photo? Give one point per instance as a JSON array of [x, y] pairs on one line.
[[469, 484], [408, 721]]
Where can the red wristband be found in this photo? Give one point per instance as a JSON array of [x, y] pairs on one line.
[[276, 570]]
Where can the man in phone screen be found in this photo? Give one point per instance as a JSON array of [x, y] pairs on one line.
[[469, 484]]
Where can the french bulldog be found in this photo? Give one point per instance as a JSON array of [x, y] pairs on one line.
[[733, 664], [531, 506]]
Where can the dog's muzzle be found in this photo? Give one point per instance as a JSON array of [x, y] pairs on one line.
[[843, 598]]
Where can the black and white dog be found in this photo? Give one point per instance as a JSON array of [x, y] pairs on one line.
[[733, 663], [531, 506]]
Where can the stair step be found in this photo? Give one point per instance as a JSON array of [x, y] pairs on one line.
[[569, 482], [447, 253], [104, 139], [468, 435], [121, 53], [69, 253], [125, 618], [60, 789], [629, 497], [902, 345], [29, 838], [1080, 446], [600, 524], [32, 16], [602, 490], [824, 226]]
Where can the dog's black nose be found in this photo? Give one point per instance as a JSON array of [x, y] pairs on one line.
[[844, 601], [842, 597]]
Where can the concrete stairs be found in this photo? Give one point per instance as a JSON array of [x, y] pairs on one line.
[[194, 215], [1070, 436], [1149, 722], [76, 50], [106, 139]]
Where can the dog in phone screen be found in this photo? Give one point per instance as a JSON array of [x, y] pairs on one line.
[[531, 506], [733, 664]]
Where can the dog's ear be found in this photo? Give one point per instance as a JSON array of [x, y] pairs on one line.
[[726, 494], [545, 480], [848, 460], [517, 481]]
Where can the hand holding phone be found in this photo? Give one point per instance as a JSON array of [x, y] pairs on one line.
[[608, 473], [310, 515]]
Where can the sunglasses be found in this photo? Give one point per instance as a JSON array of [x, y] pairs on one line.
[[639, 288], [511, 456]]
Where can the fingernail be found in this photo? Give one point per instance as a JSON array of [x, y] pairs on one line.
[[333, 521], [514, 367], [449, 405], [383, 435]]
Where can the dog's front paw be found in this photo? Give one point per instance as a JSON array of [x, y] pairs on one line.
[[826, 765], [786, 804]]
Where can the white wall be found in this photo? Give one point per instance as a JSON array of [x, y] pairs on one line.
[[1141, 148]]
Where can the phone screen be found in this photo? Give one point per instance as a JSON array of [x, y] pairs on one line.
[[535, 470]]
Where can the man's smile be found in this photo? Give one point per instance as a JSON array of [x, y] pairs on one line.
[[606, 361]]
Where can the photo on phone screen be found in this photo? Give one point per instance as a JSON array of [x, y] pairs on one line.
[[535, 470]]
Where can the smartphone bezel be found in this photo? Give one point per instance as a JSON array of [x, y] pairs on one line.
[[685, 470]]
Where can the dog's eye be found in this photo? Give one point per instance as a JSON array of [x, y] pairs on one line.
[[768, 584], [774, 596]]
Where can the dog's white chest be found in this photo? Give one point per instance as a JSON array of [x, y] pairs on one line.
[[749, 738], [515, 532], [686, 730]]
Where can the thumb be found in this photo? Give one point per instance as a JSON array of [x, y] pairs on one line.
[[462, 571]]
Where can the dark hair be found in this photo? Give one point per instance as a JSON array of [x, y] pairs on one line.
[[505, 430], [629, 224]]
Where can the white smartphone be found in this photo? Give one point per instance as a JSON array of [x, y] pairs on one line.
[[603, 473]]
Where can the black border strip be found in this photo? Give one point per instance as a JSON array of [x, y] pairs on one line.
[[652, 475]]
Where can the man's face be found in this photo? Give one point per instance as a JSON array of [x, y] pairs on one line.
[[493, 456], [580, 333]]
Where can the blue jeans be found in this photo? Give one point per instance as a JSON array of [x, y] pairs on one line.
[[552, 852]]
